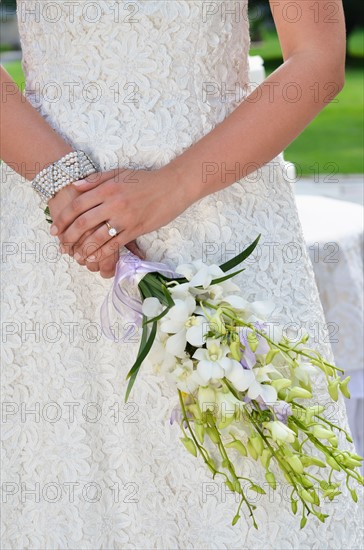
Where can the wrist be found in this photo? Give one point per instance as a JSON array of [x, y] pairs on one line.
[[184, 181]]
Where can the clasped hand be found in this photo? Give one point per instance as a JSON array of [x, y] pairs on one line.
[[134, 202]]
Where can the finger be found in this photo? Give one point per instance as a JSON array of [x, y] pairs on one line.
[[93, 242], [94, 267], [79, 245], [77, 206], [83, 223], [134, 248], [92, 181], [110, 248], [107, 267]]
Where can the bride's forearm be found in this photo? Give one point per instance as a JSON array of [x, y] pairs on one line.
[[28, 142], [260, 128]]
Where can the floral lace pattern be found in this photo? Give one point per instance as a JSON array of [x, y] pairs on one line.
[[134, 84]]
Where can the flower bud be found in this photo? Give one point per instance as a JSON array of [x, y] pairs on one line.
[[306, 482], [213, 434], [253, 341], [332, 462], [301, 393], [295, 464], [351, 463], [257, 443], [251, 449], [305, 495], [206, 398], [281, 383], [312, 461], [333, 389], [322, 433], [200, 432], [235, 350], [271, 355], [195, 410], [238, 445], [190, 445], [344, 387], [269, 476], [280, 432], [216, 322], [265, 458]]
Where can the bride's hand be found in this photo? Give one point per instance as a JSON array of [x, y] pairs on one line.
[[106, 266], [135, 202], [62, 198]]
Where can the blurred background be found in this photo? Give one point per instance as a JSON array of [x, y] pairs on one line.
[[325, 166]]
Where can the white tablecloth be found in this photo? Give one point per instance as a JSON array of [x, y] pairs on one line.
[[333, 231]]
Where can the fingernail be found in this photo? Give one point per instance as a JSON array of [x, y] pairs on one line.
[[77, 256], [79, 182], [62, 249], [90, 258], [54, 230]]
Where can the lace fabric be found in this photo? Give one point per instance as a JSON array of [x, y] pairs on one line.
[[81, 468]]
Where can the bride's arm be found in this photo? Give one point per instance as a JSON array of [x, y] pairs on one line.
[[258, 130], [28, 144]]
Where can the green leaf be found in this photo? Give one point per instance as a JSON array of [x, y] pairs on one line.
[[240, 257], [221, 279], [157, 317], [145, 345], [235, 519]]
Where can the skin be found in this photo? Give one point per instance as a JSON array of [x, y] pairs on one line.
[[138, 202]]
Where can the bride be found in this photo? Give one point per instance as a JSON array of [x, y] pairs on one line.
[[175, 158]]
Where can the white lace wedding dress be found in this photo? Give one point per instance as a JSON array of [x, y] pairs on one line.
[[126, 82]]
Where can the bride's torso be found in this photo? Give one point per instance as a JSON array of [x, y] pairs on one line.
[[134, 82]]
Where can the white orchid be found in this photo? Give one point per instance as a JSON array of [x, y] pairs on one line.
[[280, 432], [183, 326], [265, 391], [185, 377], [152, 307], [305, 372], [200, 274], [228, 404], [212, 360], [160, 360], [258, 310], [241, 378]]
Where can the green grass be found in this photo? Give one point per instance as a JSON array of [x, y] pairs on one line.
[[334, 139], [15, 70], [334, 136]]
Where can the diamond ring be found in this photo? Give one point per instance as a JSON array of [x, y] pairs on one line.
[[112, 230]]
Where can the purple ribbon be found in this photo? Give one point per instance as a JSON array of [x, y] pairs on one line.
[[128, 266]]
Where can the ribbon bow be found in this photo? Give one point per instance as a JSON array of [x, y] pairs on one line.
[[129, 269]]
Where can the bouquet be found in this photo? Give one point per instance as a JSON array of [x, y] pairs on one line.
[[242, 392]]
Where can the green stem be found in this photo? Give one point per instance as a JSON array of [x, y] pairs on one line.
[[275, 453], [201, 449]]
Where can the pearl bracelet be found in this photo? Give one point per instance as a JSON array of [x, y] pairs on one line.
[[72, 167]]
